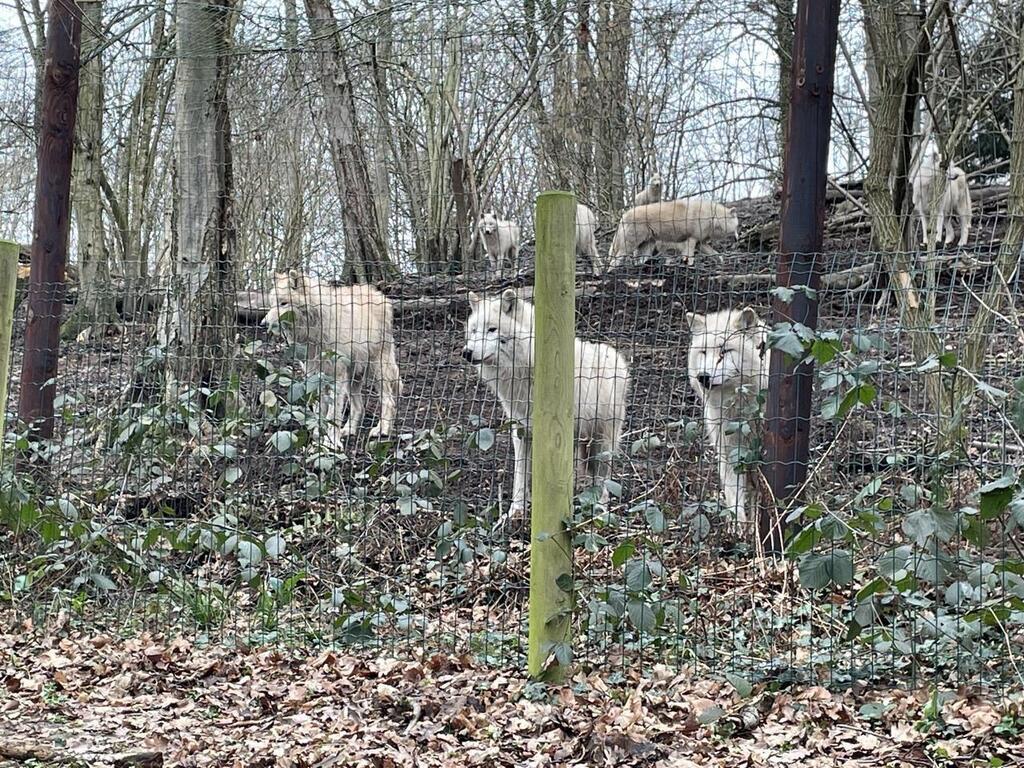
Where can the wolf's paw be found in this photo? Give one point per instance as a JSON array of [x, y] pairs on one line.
[[377, 432], [512, 519]]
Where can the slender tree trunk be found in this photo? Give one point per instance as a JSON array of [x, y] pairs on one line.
[[784, 29], [614, 37], [295, 191], [95, 310], [1011, 251], [199, 308], [381, 144], [583, 125], [366, 257], [33, 27], [132, 207]]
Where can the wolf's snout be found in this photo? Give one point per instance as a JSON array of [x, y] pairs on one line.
[[704, 379], [467, 354]]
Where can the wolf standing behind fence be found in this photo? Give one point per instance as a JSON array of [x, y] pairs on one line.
[[348, 331], [688, 222], [499, 342], [727, 367], [500, 239]]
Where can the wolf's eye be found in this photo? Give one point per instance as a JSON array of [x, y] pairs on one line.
[[492, 329]]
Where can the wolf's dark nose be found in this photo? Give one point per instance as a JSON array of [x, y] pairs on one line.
[[467, 354], [704, 380]]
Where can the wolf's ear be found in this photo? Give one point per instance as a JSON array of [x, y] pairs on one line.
[[508, 301], [746, 319], [473, 298], [695, 321], [295, 279]]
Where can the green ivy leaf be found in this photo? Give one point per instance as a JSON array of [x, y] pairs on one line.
[[622, 553], [742, 685], [995, 496], [655, 518], [638, 575], [641, 615], [282, 440], [485, 438]]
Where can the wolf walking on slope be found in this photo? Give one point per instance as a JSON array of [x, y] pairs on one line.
[[727, 368], [499, 342], [349, 333], [685, 223]]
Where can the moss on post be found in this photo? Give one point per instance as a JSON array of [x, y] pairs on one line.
[[8, 280], [552, 435]]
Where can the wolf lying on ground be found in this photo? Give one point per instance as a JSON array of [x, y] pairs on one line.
[[499, 342], [688, 223], [348, 332], [727, 367]]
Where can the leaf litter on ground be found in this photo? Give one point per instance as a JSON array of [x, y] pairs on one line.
[[74, 699]]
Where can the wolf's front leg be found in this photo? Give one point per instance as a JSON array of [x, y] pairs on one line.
[[965, 229], [521, 477], [734, 487]]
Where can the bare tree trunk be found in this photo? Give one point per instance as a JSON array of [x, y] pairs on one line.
[[295, 191], [95, 309], [1011, 251], [784, 28], [583, 125], [131, 207], [614, 36], [366, 257], [33, 28], [381, 144], [199, 308], [898, 53]]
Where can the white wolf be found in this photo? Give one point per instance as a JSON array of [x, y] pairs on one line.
[[649, 194], [956, 201], [500, 238], [927, 175], [586, 233], [499, 342], [348, 332], [688, 222], [727, 368]]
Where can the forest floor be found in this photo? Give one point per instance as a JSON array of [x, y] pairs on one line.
[[75, 700]]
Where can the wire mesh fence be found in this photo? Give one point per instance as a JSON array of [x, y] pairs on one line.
[[246, 445]]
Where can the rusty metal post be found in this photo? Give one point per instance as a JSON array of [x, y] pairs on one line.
[[52, 215], [788, 411]]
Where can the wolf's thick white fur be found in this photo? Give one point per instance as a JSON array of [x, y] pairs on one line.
[[956, 202], [727, 367], [649, 194], [586, 233], [348, 332], [688, 223], [499, 342], [927, 175], [500, 239]]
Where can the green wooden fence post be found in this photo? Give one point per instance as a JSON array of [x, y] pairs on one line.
[[551, 598], [8, 280]]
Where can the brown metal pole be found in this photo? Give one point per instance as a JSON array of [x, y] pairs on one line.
[[52, 215], [788, 411]]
